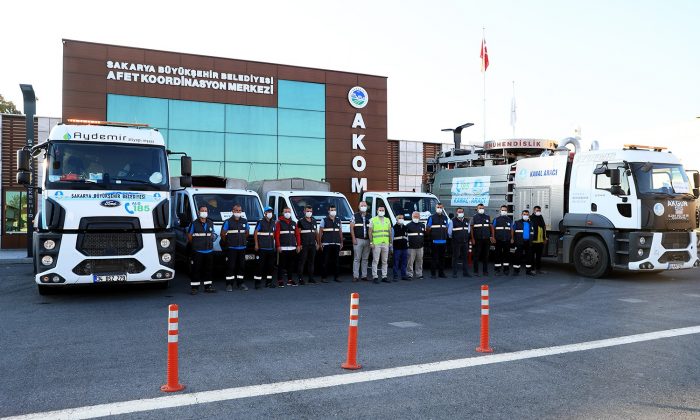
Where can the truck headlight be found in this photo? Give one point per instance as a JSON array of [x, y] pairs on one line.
[[640, 252], [166, 258], [164, 243], [642, 240], [47, 260], [49, 244]]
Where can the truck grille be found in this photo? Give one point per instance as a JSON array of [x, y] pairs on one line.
[[675, 240], [674, 256], [118, 266], [101, 244]]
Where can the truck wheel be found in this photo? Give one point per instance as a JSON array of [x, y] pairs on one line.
[[46, 290], [591, 257]]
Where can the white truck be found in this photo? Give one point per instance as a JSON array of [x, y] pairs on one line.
[[104, 212], [632, 208], [219, 195], [297, 193], [401, 202]]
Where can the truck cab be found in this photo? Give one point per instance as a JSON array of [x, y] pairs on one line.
[[400, 202]]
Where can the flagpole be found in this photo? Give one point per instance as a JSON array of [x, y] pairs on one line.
[[512, 111], [483, 69]]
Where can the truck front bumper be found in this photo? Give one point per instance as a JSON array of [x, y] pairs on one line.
[[654, 251]]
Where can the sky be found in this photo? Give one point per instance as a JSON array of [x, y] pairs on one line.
[[620, 71]]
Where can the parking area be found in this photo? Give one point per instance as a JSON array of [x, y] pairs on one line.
[[92, 346]]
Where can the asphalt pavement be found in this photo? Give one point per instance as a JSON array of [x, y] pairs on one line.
[[93, 345]]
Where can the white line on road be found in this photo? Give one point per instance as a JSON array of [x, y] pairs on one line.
[[228, 394], [695, 295], [633, 300]]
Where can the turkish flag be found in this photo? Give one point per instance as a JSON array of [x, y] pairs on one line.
[[484, 55]]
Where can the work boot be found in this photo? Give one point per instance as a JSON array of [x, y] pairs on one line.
[[529, 273], [323, 280], [194, 291], [209, 289], [432, 275], [376, 280], [365, 279], [270, 285], [257, 284], [476, 274], [385, 280], [280, 283], [516, 272], [355, 279], [395, 279], [301, 282], [442, 276], [466, 274], [454, 275], [229, 288], [243, 287], [291, 282], [312, 281], [406, 278], [337, 280]]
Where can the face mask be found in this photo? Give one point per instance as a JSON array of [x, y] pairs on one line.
[[526, 217], [399, 221], [203, 214], [287, 214], [380, 213], [504, 213], [237, 215], [538, 213], [416, 220], [309, 214], [460, 215], [481, 211], [363, 208], [438, 211], [268, 215], [332, 213]]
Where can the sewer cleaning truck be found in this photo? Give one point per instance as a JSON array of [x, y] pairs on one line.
[[104, 208], [630, 208]]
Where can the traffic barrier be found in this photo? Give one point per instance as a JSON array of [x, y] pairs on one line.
[[172, 381], [351, 361], [484, 344]]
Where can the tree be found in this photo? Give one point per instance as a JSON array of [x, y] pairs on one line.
[[7, 107]]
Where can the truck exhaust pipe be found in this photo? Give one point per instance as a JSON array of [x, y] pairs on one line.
[[570, 140]]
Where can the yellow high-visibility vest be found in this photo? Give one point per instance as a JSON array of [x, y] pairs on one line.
[[380, 230]]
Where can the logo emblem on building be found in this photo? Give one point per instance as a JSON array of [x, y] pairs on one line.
[[358, 97]]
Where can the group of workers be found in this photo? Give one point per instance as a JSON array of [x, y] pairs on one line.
[[293, 246]]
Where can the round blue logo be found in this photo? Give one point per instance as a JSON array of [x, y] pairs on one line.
[[358, 97], [58, 194]]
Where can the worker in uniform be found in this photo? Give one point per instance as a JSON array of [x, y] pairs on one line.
[[436, 229], [287, 248], [235, 230], [264, 236], [540, 239], [415, 231], [522, 235], [201, 236], [482, 235], [400, 246], [307, 232], [459, 232], [380, 239], [502, 225], [359, 232], [330, 236]]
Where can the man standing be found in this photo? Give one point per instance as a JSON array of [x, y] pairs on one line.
[[307, 232], [482, 235], [287, 248], [459, 232], [415, 231], [400, 245], [359, 231], [436, 229], [522, 235], [201, 237], [265, 247], [330, 236], [235, 230], [502, 226], [380, 238], [540, 239]]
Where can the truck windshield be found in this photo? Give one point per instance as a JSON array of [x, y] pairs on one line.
[[407, 205], [320, 205], [663, 178], [104, 165], [221, 205]]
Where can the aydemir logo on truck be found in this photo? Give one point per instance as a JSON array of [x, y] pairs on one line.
[[79, 135]]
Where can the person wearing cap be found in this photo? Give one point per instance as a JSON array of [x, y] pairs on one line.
[[359, 232], [287, 248], [307, 231], [235, 232], [201, 237], [380, 239], [264, 236]]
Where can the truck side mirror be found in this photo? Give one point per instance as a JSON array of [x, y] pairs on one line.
[[23, 156], [600, 169], [696, 184], [186, 166], [614, 177], [185, 181]]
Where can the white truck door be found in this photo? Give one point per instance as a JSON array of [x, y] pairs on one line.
[[618, 208]]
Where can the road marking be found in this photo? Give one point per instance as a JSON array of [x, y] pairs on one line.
[[695, 295], [136, 406], [633, 300], [537, 311], [405, 324]]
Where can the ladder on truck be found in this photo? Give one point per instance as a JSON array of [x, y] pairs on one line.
[[510, 191]]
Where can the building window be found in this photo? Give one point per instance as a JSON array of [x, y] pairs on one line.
[[15, 211], [301, 95]]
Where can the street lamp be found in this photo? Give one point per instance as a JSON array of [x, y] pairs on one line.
[[29, 111], [458, 133]]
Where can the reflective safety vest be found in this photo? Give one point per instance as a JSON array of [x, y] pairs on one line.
[[202, 235], [415, 233], [266, 233], [460, 230], [380, 230], [400, 237], [331, 231], [236, 232], [287, 233], [307, 231], [518, 228], [481, 226], [361, 229], [502, 226], [438, 229]]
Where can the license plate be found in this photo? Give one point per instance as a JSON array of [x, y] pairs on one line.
[[108, 278], [249, 257], [673, 266], [345, 253]]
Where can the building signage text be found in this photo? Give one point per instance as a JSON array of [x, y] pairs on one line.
[[359, 164]]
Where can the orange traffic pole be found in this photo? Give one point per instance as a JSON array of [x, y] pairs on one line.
[[351, 361], [484, 344], [173, 383]]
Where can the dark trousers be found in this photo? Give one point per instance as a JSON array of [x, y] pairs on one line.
[[460, 252], [201, 269], [400, 262], [523, 256], [266, 266], [330, 260], [537, 250], [502, 258], [235, 266], [437, 258], [481, 254], [287, 265], [307, 259]]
